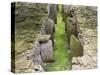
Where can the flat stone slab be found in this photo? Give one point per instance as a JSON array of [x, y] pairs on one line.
[[43, 38]]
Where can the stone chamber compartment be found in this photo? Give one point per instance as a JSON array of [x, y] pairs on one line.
[[52, 37]]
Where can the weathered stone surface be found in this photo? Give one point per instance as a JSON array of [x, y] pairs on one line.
[[86, 22], [43, 38], [74, 60], [47, 51], [76, 47], [28, 21], [68, 11], [86, 60], [35, 51], [76, 67], [49, 28], [27, 71], [52, 12], [71, 27], [65, 12], [37, 60], [23, 65], [38, 68]]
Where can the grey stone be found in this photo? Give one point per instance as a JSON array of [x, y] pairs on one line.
[[50, 28], [52, 12], [65, 11], [76, 67], [86, 60], [35, 51], [47, 51], [37, 60], [43, 38], [38, 68]]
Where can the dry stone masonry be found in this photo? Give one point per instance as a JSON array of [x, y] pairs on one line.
[[34, 34], [81, 29]]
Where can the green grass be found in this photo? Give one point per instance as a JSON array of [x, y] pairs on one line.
[[60, 49]]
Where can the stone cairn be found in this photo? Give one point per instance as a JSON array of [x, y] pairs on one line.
[[80, 26]]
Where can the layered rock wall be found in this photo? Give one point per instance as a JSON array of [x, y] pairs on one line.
[[34, 34], [81, 30]]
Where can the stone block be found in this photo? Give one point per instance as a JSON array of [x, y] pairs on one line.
[[47, 51], [76, 47]]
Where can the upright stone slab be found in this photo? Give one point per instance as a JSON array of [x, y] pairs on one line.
[[50, 28], [47, 51], [71, 27], [76, 47], [52, 12], [65, 12], [38, 68]]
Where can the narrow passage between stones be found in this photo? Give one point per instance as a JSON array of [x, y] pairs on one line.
[[60, 49]]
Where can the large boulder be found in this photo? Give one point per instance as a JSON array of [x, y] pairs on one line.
[[47, 51], [76, 47], [52, 12]]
